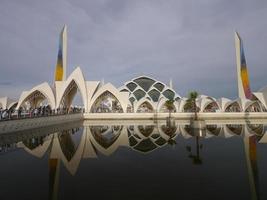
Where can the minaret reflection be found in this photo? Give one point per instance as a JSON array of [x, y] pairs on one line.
[[62, 148], [252, 134], [54, 167]]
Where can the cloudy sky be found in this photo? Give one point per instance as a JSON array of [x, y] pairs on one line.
[[190, 41]]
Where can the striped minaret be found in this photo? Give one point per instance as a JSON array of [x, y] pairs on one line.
[[60, 72], [244, 90]]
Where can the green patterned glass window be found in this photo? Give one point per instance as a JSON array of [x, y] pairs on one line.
[[139, 94], [131, 86], [169, 94], [154, 94], [144, 82], [159, 86], [132, 99]]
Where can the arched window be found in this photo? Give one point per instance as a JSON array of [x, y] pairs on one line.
[[131, 86], [168, 94], [139, 94], [154, 94], [159, 86]]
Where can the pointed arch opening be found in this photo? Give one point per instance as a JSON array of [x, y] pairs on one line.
[[189, 107], [35, 100], [254, 107], [145, 107], [12, 108], [212, 107], [233, 107], [167, 108], [71, 100], [262, 106], [106, 103], [36, 103]]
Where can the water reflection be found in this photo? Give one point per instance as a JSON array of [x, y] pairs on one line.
[[72, 145]]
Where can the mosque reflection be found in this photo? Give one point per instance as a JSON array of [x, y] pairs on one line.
[[71, 146]]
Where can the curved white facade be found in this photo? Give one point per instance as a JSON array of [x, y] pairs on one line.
[[128, 97]]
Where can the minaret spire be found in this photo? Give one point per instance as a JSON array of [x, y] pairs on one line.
[[244, 90], [61, 67]]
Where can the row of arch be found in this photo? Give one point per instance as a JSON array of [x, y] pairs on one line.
[[98, 98], [203, 104], [62, 94]]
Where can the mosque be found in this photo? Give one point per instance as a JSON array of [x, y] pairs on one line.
[[142, 94]]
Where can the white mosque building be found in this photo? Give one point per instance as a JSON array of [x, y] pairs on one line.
[[140, 95]]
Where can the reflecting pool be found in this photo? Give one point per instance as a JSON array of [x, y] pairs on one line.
[[136, 160]]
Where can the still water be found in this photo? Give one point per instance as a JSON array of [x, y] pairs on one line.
[[135, 160]]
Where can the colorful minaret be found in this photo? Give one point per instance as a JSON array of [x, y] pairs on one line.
[[244, 90], [60, 72]]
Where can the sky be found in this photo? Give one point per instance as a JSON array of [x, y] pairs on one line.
[[189, 41]]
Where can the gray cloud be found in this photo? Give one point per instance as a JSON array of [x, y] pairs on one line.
[[191, 42]]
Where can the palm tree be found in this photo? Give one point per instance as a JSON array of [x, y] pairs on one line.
[[192, 101], [169, 105]]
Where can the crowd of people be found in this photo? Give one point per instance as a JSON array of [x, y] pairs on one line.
[[41, 111]]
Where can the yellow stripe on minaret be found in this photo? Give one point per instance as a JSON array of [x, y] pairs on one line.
[[59, 73]]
